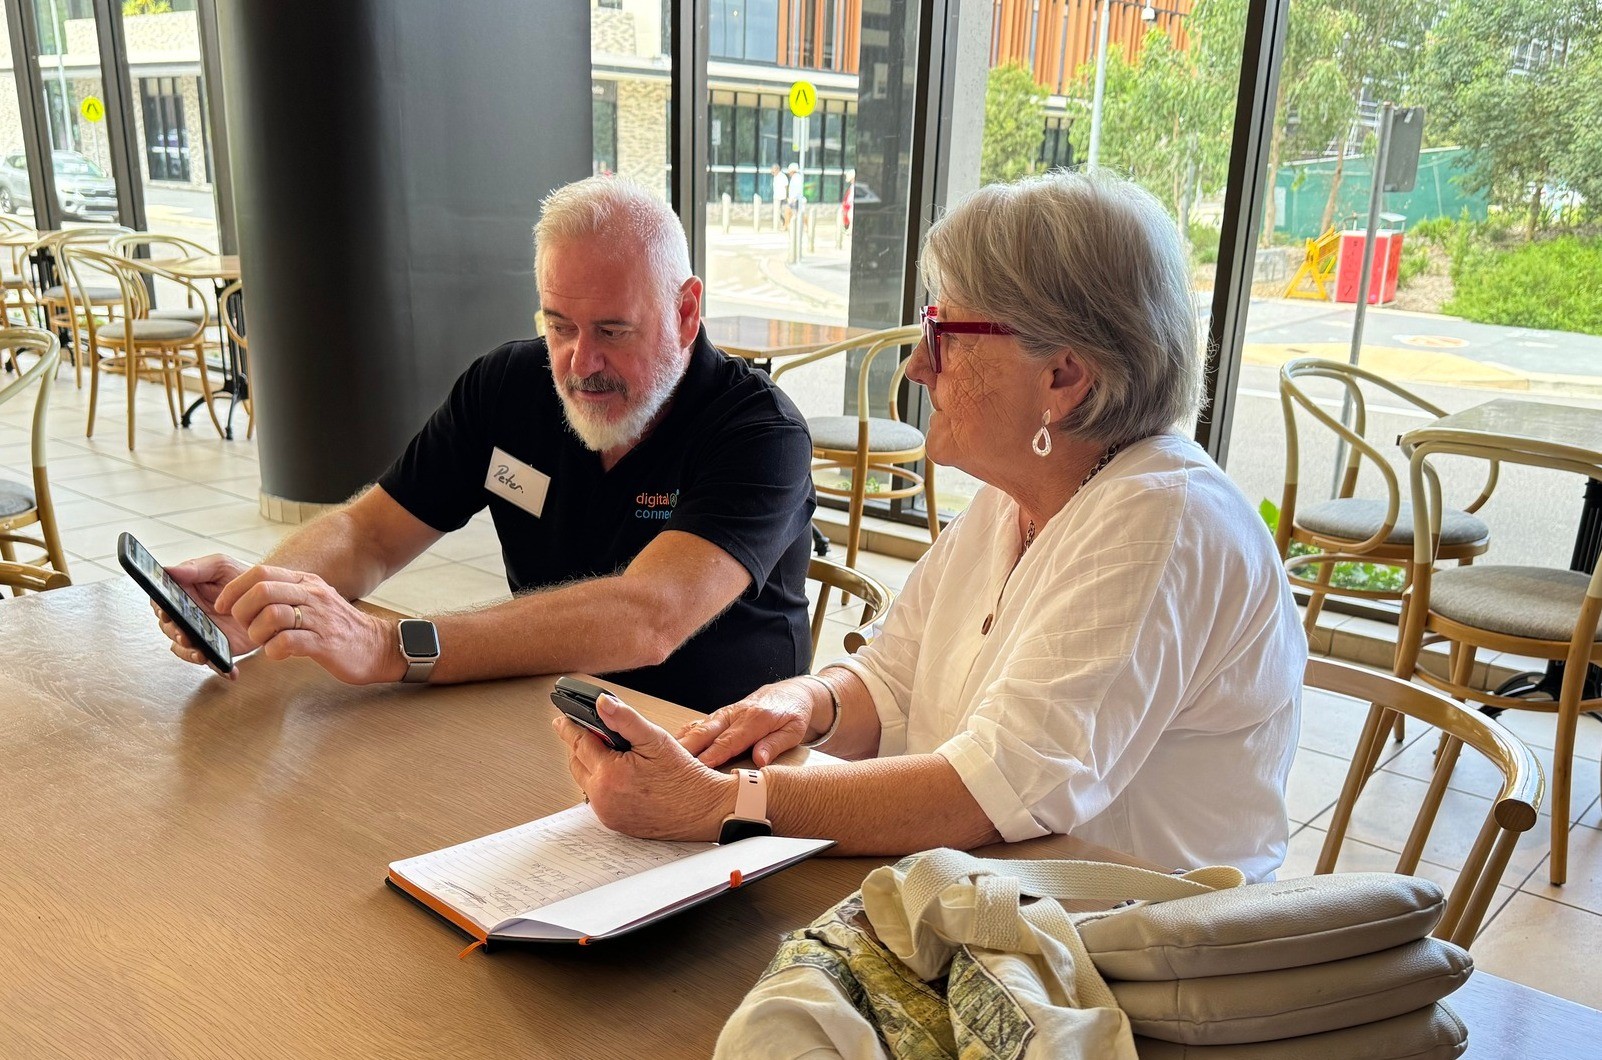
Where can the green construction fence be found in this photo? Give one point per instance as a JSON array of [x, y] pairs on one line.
[[1301, 190]]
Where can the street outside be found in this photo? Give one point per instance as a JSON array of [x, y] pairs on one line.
[[1453, 363]]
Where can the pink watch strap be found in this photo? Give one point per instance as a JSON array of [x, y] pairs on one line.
[[751, 798]]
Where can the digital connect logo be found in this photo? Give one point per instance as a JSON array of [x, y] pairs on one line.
[[655, 505]]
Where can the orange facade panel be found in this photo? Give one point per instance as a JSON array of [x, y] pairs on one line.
[[1056, 39]]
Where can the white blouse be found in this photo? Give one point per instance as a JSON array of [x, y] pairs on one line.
[[1140, 682]]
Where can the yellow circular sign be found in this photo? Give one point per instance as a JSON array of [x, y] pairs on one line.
[[803, 98], [92, 109]]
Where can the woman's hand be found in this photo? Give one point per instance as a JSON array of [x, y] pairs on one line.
[[768, 722], [654, 790]]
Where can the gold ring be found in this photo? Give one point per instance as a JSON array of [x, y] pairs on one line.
[[297, 617]]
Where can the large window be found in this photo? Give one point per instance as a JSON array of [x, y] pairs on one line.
[[1169, 79], [632, 114], [166, 140], [603, 95], [1493, 288], [744, 29], [751, 132]]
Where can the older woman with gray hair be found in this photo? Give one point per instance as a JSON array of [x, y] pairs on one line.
[[1103, 644]]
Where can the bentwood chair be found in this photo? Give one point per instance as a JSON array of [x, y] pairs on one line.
[[25, 577], [27, 514], [875, 595], [1532, 611], [64, 306], [231, 306], [16, 289], [155, 247], [1375, 529], [866, 445], [1513, 810], [139, 344]]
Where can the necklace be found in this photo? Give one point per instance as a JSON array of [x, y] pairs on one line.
[[1106, 458], [1029, 536]]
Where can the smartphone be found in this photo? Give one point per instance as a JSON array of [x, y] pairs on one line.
[[198, 626], [576, 699]]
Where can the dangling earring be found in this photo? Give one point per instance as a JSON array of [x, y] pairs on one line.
[[1042, 442]]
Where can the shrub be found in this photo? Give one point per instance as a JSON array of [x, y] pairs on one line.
[[1203, 243], [1431, 230], [1415, 262], [1554, 284]]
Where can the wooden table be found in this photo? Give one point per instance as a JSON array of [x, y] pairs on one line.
[[762, 340], [191, 867], [219, 268]]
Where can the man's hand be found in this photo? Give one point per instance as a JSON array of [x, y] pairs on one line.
[[294, 614], [768, 722], [655, 790], [204, 579]]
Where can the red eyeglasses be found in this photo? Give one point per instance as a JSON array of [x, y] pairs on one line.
[[933, 327]]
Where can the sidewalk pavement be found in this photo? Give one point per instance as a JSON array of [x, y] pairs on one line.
[[1409, 347]]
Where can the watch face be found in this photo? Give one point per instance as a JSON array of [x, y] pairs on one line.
[[736, 829], [418, 639]]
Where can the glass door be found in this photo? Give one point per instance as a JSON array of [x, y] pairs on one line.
[[74, 114]]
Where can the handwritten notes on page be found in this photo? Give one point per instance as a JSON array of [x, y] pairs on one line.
[[511, 873], [568, 876]]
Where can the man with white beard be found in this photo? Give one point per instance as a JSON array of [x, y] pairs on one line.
[[652, 496]]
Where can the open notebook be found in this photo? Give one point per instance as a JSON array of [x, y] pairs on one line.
[[568, 878]]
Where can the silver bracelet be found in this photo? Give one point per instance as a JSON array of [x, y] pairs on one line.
[[833, 725]]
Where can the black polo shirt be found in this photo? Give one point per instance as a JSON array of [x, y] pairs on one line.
[[729, 462]]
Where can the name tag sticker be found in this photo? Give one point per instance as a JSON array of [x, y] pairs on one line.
[[511, 479]]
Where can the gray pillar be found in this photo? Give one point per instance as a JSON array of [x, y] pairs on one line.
[[388, 159]]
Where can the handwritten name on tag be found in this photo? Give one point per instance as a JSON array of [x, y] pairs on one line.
[[511, 479]]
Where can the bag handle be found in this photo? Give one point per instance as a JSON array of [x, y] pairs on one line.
[[935, 870]]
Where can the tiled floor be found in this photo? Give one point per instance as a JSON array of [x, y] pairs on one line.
[[185, 493]]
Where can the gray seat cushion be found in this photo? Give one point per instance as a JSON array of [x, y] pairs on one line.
[[884, 436], [95, 295], [15, 498], [150, 330], [193, 315], [1356, 518], [1520, 601]]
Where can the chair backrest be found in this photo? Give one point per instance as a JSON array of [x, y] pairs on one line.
[[231, 304], [27, 577], [128, 245], [875, 595], [84, 263], [42, 372], [874, 342], [1351, 378], [101, 235], [1425, 485], [1513, 810]]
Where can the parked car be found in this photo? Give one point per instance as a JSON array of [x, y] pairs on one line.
[[83, 189]]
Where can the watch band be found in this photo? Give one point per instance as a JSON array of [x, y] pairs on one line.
[[750, 816], [751, 798], [418, 667]]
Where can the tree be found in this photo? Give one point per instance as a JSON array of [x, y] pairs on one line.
[[1015, 117], [1377, 49], [1507, 79], [147, 7]]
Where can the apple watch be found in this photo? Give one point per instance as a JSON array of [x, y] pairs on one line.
[[750, 816], [419, 646]]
